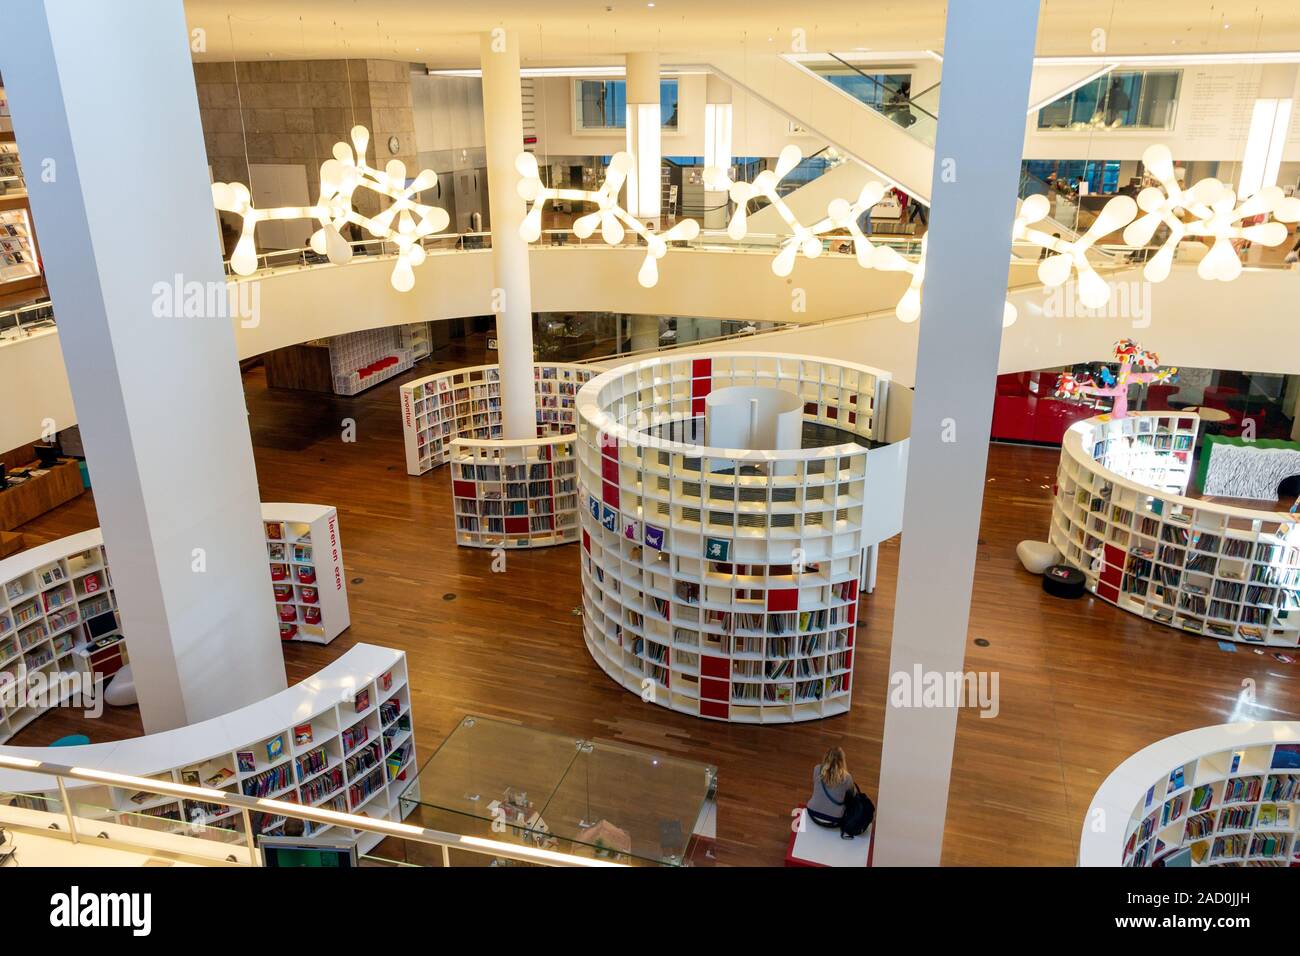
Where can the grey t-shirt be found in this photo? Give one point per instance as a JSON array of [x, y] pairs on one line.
[[820, 802]]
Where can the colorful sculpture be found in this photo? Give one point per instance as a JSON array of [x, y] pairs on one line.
[[1137, 366]]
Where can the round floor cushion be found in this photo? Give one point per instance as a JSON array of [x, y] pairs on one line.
[[1061, 580], [1037, 556], [120, 691]]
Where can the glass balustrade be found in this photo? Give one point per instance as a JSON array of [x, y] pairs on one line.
[[502, 781]]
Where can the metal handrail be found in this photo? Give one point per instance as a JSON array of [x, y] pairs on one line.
[[908, 101], [249, 805]]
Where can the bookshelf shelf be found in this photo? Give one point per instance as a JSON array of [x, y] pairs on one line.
[[515, 494], [287, 747], [1120, 517], [18, 259], [305, 562], [466, 403], [58, 608], [724, 583], [1217, 796]]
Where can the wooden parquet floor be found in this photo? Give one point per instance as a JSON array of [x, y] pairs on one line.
[[1083, 685]]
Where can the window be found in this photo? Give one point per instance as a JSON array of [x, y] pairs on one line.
[[873, 89], [602, 104], [1122, 99], [1102, 175]]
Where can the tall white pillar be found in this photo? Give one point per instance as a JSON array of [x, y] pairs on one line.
[[1270, 122], [644, 192], [986, 68], [503, 135], [125, 210], [717, 150]]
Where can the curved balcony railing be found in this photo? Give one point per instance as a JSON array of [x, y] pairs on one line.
[[80, 819]]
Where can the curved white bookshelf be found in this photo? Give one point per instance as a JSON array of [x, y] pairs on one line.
[[514, 494], [345, 742], [58, 609], [1217, 796], [466, 403], [1120, 517], [724, 582]]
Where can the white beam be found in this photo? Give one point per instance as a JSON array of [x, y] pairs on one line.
[[987, 62]]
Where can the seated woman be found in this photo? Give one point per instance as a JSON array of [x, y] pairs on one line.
[[832, 782]]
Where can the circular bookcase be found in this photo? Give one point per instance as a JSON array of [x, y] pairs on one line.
[[723, 582], [1217, 796], [1120, 515]]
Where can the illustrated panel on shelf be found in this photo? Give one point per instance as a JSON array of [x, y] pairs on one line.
[[1118, 515], [515, 494], [341, 740], [1217, 796], [306, 565], [466, 403], [726, 587], [59, 612]]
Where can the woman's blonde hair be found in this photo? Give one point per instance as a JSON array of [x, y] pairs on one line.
[[835, 768]]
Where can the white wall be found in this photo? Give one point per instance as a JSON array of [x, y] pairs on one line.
[[1242, 325], [1235, 325], [1210, 123]]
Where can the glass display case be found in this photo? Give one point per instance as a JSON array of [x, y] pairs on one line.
[[500, 780], [21, 323]]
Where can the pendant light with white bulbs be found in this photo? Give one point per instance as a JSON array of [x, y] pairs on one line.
[[404, 222], [613, 220]]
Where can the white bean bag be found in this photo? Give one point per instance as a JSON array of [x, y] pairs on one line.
[[120, 691], [1037, 556]]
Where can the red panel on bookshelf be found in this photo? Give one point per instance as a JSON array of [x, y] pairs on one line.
[[702, 376], [609, 469], [715, 689], [783, 599], [1112, 568], [714, 666], [608, 445], [853, 613], [609, 492], [586, 541], [709, 708], [517, 525], [853, 590], [464, 489], [1108, 591], [697, 406]]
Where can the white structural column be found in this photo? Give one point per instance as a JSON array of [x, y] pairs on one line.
[[1270, 121], [987, 62], [643, 121], [512, 300], [120, 189], [717, 147]]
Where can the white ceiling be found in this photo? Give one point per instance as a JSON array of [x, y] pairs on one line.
[[443, 33]]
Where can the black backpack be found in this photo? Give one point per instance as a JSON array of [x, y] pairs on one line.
[[859, 811]]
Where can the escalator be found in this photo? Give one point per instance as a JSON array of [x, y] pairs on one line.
[[884, 129]]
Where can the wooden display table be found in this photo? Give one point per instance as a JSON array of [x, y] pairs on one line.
[[25, 502]]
